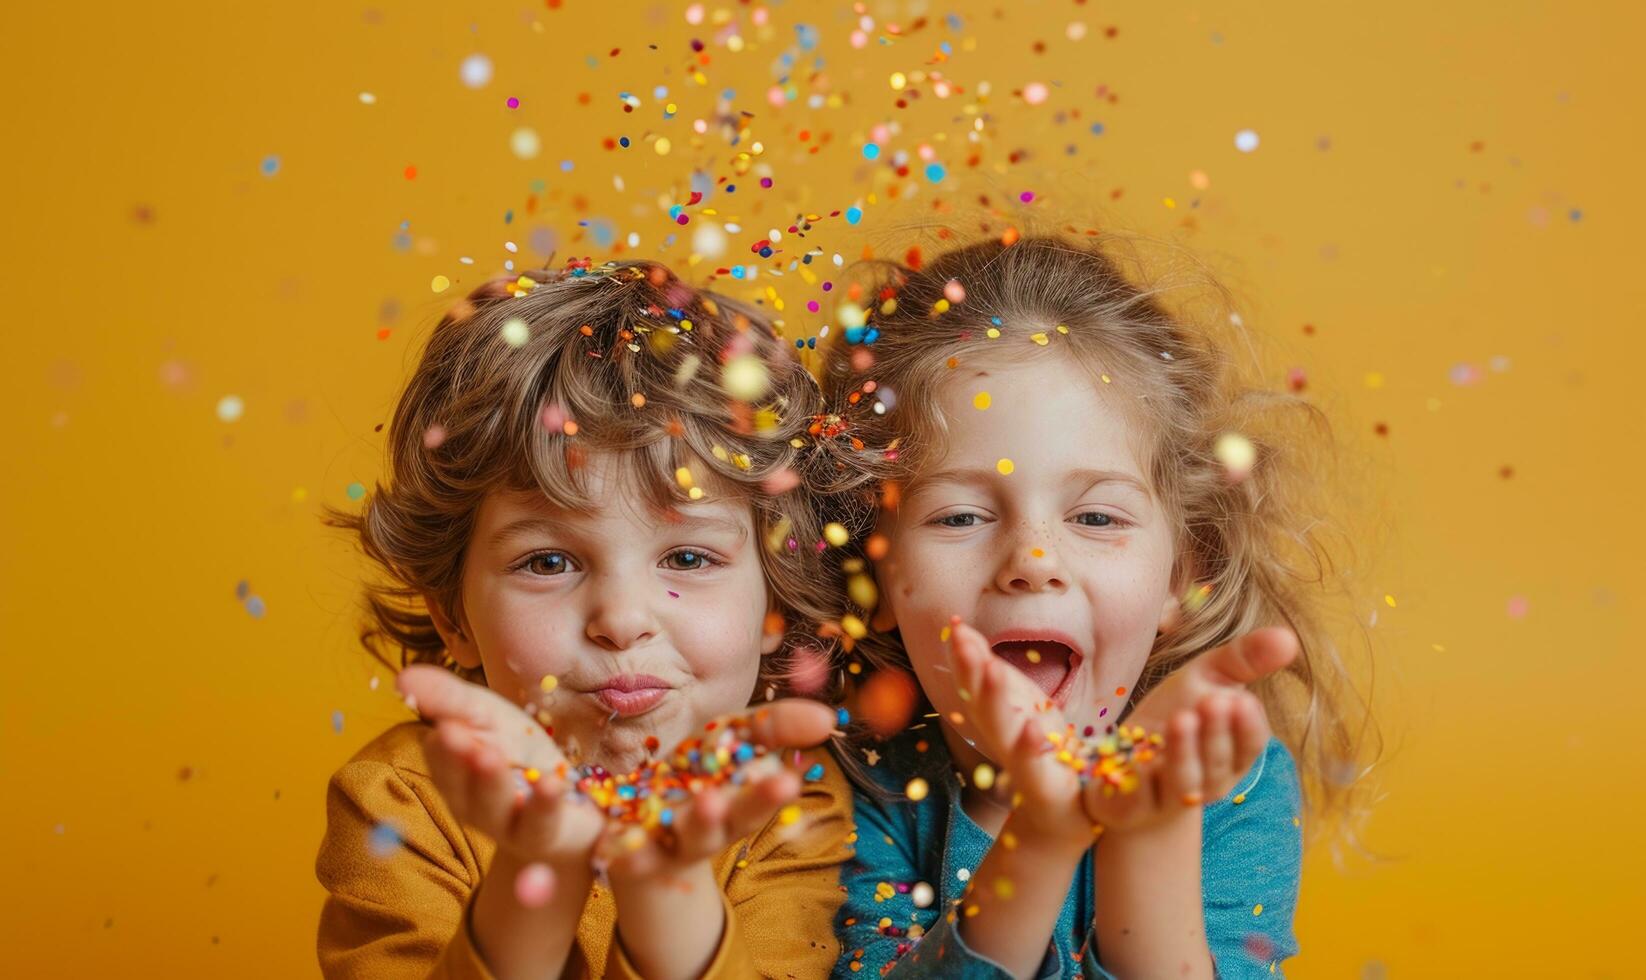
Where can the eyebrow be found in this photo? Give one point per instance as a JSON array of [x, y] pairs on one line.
[[543, 525], [1086, 477]]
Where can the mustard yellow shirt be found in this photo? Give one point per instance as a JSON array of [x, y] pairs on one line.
[[406, 913]]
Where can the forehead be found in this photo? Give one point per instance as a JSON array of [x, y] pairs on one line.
[[613, 485], [1043, 411]]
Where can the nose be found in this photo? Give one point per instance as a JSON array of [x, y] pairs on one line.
[[1031, 564], [621, 616]]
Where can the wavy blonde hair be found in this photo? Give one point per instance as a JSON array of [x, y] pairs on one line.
[[637, 362], [1265, 550]]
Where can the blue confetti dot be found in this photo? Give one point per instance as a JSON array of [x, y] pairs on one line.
[[384, 841], [566, 166], [337, 722], [854, 215], [935, 172], [842, 716], [871, 151], [1097, 129], [271, 165], [1576, 214], [254, 605], [815, 773], [356, 490], [242, 589], [623, 141]]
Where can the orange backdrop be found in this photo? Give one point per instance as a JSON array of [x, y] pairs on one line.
[[222, 206]]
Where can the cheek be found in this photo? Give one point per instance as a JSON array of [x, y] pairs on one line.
[[523, 637]]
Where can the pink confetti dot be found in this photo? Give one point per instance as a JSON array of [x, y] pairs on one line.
[[1026, 196], [514, 103], [534, 885], [765, 182], [1035, 93], [1518, 607]]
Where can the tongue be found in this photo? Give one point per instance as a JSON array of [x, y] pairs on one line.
[[1048, 673]]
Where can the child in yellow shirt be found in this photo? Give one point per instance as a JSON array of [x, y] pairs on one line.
[[596, 510]]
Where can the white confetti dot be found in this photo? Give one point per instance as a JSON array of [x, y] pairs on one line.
[[477, 71], [515, 332], [922, 894], [1246, 140], [230, 407], [524, 143]]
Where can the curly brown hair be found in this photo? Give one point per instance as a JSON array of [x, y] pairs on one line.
[[1264, 550], [529, 374]]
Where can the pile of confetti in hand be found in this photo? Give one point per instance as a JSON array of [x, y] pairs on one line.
[[1111, 760], [646, 797]]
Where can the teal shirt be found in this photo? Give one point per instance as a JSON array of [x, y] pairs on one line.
[[1252, 855]]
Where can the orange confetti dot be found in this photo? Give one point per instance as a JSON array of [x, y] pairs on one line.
[[411, 173], [1119, 692]]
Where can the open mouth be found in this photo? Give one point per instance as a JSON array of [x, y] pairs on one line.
[[1050, 663]]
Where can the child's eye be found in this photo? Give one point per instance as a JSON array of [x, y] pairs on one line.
[[1096, 518], [958, 520], [688, 560], [547, 563]]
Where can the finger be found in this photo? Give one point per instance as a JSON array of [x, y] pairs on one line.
[[1251, 733], [791, 723], [446, 749], [756, 804], [1182, 771], [969, 656], [1216, 743], [439, 694], [1249, 658], [701, 829], [493, 791], [1033, 770]]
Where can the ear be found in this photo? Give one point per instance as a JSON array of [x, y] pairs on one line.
[[771, 640], [1171, 610], [454, 633]]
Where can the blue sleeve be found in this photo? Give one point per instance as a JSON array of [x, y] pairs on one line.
[[1251, 864], [876, 917]]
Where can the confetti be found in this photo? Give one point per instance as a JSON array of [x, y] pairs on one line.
[[1237, 455], [1005, 466], [916, 789], [922, 894], [1246, 140], [534, 885], [476, 71], [981, 401], [1035, 93], [230, 408], [745, 377], [523, 142], [384, 840], [515, 332]]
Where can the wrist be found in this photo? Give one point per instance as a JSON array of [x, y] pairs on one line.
[[1020, 834]]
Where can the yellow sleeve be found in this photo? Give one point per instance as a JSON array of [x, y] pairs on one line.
[[783, 884], [395, 905]]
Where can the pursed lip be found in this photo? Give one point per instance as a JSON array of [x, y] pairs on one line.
[[1077, 656], [629, 695], [630, 682]]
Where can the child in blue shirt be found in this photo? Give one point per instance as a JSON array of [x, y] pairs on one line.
[[1084, 534]]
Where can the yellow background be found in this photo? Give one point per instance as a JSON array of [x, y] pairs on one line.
[[151, 268]]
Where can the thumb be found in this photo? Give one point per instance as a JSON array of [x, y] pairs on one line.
[[1251, 657], [791, 723]]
